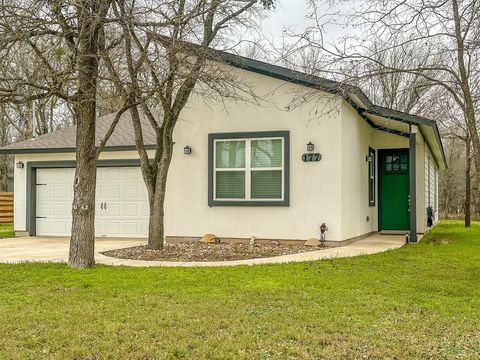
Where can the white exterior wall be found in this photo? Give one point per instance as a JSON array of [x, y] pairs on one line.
[[314, 193], [357, 137], [334, 190], [314, 189]]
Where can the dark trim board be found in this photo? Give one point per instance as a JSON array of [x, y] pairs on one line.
[[32, 182], [254, 134], [372, 151], [412, 168]]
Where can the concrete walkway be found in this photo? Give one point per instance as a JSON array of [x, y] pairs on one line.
[[55, 249]]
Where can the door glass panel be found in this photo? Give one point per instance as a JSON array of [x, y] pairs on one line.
[[396, 163]]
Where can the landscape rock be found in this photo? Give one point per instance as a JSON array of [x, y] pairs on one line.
[[209, 239], [312, 242]]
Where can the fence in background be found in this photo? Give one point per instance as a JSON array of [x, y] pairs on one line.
[[6, 207]]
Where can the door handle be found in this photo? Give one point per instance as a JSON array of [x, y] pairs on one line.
[[105, 206], [101, 205]]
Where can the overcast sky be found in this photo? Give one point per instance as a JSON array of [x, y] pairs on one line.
[[293, 14]]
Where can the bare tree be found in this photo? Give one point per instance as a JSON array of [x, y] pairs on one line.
[[167, 55], [58, 40], [444, 36]]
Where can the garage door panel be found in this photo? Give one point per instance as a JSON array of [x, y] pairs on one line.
[[131, 174], [113, 174], [131, 210], [113, 191], [114, 228], [121, 189], [131, 191], [131, 228], [43, 227], [113, 209], [145, 210], [43, 209], [61, 192], [43, 176], [43, 191], [62, 209]]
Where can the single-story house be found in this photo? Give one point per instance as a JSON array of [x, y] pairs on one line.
[[273, 171]]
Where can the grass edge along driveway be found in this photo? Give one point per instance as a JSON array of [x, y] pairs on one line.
[[421, 301]]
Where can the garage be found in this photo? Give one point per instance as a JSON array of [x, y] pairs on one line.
[[121, 208]]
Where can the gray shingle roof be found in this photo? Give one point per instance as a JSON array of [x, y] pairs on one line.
[[63, 140]]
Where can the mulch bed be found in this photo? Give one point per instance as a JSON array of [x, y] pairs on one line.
[[197, 251]]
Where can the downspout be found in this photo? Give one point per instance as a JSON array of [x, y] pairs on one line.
[[412, 152]]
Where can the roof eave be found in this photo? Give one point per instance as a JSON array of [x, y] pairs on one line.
[[67, 150]]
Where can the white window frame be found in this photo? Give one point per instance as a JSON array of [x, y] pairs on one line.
[[248, 169]]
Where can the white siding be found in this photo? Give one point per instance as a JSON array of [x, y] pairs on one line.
[[431, 185]]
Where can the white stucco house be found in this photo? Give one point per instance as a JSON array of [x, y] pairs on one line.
[[269, 171]]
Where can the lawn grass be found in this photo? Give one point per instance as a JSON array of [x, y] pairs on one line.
[[6, 230], [421, 301]]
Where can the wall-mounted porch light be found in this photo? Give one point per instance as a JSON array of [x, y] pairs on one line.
[[20, 165], [187, 150], [310, 146]]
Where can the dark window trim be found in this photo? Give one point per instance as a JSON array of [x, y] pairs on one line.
[[32, 166], [372, 190], [250, 135]]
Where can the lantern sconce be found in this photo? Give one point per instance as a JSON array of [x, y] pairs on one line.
[[310, 146], [20, 165], [187, 150]]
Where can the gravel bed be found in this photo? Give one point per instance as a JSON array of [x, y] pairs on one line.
[[197, 251]]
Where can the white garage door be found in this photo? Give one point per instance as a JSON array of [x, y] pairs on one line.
[[121, 208]]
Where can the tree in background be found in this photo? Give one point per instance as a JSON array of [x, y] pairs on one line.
[[434, 43]]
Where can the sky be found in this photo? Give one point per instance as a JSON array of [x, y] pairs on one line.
[[293, 14]]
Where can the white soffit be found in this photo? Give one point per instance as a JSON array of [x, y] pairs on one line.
[[387, 123]]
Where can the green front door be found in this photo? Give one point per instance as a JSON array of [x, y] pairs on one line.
[[394, 190]]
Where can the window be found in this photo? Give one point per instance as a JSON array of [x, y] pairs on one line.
[[396, 163], [249, 168], [371, 177]]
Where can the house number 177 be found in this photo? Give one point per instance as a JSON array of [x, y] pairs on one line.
[[309, 157]]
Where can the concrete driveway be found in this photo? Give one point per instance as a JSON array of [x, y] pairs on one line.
[[55, 249]]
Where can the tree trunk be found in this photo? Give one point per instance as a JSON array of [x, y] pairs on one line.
[[468, 189], [82, 241], [156, 230], [469, 107]]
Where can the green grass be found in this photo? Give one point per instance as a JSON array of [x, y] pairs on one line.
[[421, 301], [6, 230]]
